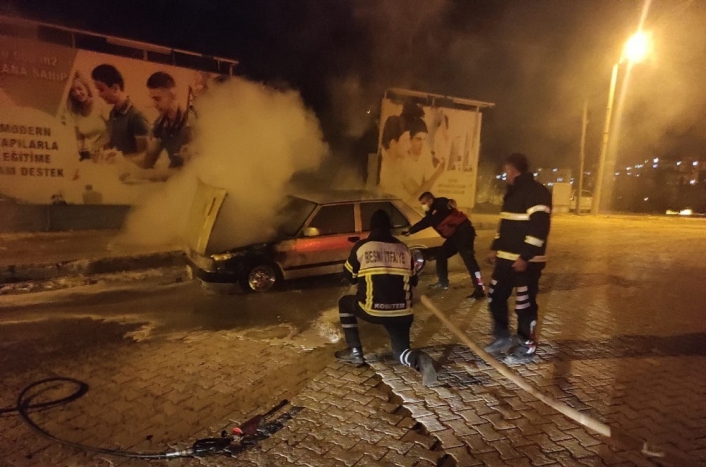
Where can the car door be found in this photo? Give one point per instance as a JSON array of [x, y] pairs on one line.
[[325, 243]]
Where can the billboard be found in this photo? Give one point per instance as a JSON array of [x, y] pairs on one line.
[[428, 145], [80, 127]]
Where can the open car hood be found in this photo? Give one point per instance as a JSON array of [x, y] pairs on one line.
[[202, 216]]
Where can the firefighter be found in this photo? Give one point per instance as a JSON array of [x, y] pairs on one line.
[[456, 228], [517, 253], [383, 270]]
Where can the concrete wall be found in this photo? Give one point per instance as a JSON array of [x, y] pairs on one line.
[[44, 218]]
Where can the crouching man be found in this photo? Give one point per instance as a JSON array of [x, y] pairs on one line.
[[383, 270]]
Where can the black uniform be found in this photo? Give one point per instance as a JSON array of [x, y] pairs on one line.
[[522, 233], [382, 267], [456, 228]]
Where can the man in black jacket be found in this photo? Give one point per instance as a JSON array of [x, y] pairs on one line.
[[518, 255], [456, 228], [383, 269]]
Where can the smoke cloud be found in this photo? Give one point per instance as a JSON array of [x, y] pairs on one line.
[[248, 139]]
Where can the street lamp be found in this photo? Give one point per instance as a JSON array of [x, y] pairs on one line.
[[635, 51]]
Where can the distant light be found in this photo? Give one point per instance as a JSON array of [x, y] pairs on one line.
[[695, 163], [550, 184], [367, 112], [671, 213], [686, 212], [628, 168], [504, 176], [693, 182], [553, 170], [655, 160], [559, 179], [617, 173], [654, 166], [646, 199], [678, 162], [588, 173], [536, 174], [498, 177]]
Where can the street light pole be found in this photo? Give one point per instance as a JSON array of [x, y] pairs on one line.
[[635, 50], [598, 188]]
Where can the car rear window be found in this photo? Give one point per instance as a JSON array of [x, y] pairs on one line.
[[367, 209]]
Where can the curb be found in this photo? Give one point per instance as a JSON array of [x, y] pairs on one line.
[[87, 267]]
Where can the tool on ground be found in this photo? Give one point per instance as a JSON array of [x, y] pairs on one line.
[[244, 436], [667, 458]]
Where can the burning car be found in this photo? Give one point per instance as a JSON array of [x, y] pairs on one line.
[[316, 234]]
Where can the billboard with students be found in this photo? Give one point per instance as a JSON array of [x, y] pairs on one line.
[[428, 145], [82, 126]]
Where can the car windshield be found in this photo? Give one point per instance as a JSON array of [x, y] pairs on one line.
[[293, 214]]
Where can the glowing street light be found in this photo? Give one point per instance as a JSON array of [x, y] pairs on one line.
[[636, 50], [637, 47]]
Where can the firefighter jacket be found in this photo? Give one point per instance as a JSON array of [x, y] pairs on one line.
[[443, 218], [524, 221], [383, 268]]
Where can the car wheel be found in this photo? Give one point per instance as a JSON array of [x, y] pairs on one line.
[[261, 278], [418, 259]]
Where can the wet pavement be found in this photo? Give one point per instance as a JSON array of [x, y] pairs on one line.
[[622, 339]]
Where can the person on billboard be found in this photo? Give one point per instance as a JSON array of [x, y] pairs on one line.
[[89, 117], [395, 145], [419, 174], [128, 128], [170, 131]]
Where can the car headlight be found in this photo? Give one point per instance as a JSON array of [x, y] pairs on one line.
[[220, 257]]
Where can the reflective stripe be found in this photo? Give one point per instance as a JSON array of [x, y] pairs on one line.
[[494, 281], [522, 289], [539, 208], [497, 236], [522, 298], [346, 315], [514, 216], [350, 269], [368, 292], [404, 357], [522, 306], [514, 256], [508, 255], [384, 270], [534, 241], [349, 325]]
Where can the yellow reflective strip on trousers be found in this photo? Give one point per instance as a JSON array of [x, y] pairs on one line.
[[514, 216]]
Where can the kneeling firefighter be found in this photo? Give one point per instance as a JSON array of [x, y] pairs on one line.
[[383, 269]]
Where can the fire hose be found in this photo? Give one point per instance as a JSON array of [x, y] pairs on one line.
[[666, 456], [242, 437]]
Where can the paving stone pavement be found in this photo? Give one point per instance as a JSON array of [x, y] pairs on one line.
[[616, 343]]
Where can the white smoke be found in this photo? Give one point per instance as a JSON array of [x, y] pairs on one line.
[[248, 139]]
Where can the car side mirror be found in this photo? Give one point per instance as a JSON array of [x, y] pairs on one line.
[[311, 232]]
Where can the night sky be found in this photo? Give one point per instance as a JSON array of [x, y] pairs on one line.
[[537, 60]]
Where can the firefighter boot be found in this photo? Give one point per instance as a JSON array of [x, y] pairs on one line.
[[499, 346], [351, 355], [523, 353], [425, 365]]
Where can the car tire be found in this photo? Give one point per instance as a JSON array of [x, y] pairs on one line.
[[261, 277], [419, 258]]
